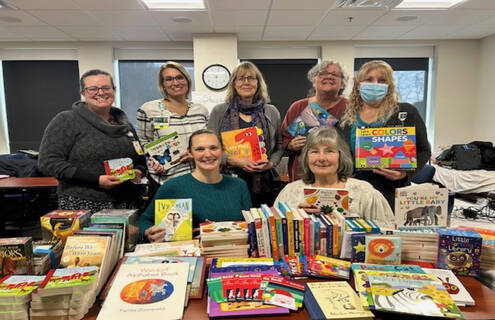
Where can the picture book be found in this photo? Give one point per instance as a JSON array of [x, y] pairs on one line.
[[166, 150], [313, 116], [321, 266], [411, 293], [233, 232], [122, 168], [390, 147], [176, 248], [59, 224], [358, 247], [459, 251], [147, 291], [191, 261], [383, 249], [16, 256], [453, 286], [333, 300], [18, 288], [281, 292], [329, 200], [68, 281], [245, 143], [421, 206], [175, 216]]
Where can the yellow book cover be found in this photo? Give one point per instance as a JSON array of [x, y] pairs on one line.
[[245, 143], [337, 300], [83, 251], [175, 216]]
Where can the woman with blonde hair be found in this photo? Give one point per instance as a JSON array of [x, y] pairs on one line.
[[246, 105], [172, 113], [374, 102]]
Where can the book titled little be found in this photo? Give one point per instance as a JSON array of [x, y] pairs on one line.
[[175, 215], [388, 147], [122, 168], [245, 143]]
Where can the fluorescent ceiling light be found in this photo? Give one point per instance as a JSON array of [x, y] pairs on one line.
[[174, 4], [427, 4]]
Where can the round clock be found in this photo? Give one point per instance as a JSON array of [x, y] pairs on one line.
[[216, 77]]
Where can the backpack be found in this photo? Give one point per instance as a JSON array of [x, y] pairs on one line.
[[466, 157]]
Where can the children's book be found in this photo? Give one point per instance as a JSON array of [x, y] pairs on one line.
[[18, 288], [175, 216], [329, 200], [383, 249], [166, 150], [421, 205], [127, 216], [122, 168], [390, 147], [313, 116], [16, 256], [459, 251], [68, 281], [223, 232], [333, 300], [453, 286], [327, 267], [59, 224], [147, 291], [245, 143]]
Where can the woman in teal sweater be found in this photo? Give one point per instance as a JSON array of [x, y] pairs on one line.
[[215, 197]]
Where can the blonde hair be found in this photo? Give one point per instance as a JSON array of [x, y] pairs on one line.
[[388, 106], [177, 66], [247, 66]]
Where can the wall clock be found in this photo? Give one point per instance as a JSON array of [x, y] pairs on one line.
[[216, 77]]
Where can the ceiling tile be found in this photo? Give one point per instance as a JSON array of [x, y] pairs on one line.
[[180, 36], [244, 33], [304, 4], [474, 32], [382, 33], [296, 17], [26, 19], [242, 18], [478, 4], [164, 18], [335, 32], [340, 17], [65, 17], [40, 33], [286, 33], [238, 4], [123, 18], [141, 33], [432, 32], [44, 4], [390, 18], [109, 4], [187, 27], [90, 33]]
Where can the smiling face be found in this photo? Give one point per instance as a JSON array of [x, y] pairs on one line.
[[323, 161], [174, 83], [206, 151], [246, 85], [101, 100], [328, 80]]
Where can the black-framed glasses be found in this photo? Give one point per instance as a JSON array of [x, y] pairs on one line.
[[325, 74], [178, 78], [248, 79], [94, 90]]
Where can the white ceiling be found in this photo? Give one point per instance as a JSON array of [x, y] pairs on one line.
[[129, 20]]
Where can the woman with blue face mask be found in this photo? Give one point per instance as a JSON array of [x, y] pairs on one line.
[[374, 103]]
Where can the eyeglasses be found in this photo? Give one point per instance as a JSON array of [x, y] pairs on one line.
[[178, 78], [325, 74], [94, 90], [248, 79]]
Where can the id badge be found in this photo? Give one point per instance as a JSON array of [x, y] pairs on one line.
[[137, 147], [160, 123]]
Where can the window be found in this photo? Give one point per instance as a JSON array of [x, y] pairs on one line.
[[411, 79], [138, 83]]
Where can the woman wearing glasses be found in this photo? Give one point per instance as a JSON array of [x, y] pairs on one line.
[[246, 105], [173, 113], [77, 142], [329, 81]]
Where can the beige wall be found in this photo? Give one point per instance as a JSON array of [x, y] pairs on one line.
[[483, 125]]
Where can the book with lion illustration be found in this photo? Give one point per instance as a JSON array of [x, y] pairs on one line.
[[391, 147], [175, 215], [329, 200], [421, 205], [245, 143]]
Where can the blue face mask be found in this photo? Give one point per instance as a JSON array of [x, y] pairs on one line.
[[373, 92]]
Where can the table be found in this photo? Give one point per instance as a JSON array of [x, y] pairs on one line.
[[482, 295], [23, 186]]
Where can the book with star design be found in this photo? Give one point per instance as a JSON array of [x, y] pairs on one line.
[[387, 147]]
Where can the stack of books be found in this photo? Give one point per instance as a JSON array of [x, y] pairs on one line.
[[15, 294], [487, 260], [459, 251], [16, 256], [116, 216], [224, 239], [46, 255], [147, 291], [65, 294], [186, 248], [59, 224], [419, 244]]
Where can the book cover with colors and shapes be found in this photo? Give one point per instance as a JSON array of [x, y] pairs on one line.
[[175, 216], [329, 200], [245, 143], [383, 249], [166, 150], [389, 147]]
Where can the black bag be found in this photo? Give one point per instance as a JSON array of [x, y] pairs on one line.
[[466, 157]]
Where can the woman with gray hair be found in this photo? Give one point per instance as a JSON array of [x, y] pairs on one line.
[[326, 162], [158, 118], [329, 80]]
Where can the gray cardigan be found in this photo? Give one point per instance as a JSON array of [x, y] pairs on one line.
[[275, 149]]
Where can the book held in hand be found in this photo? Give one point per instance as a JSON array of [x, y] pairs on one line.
[[328, 199], [313, 116], [166, 150], [245, 143], [175, 216], [390, 147], [122, 168]]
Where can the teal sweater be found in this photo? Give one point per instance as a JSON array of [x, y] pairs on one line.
[[221, 201]]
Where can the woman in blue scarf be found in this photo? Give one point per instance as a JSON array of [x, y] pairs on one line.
[[246, 105]]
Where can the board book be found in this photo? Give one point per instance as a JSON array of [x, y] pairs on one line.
[[122, 168], [313, 116], [459, 251], [329, 200], [166, 150], [245, 143], [388, 147], [453, 286], [175, 216]]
